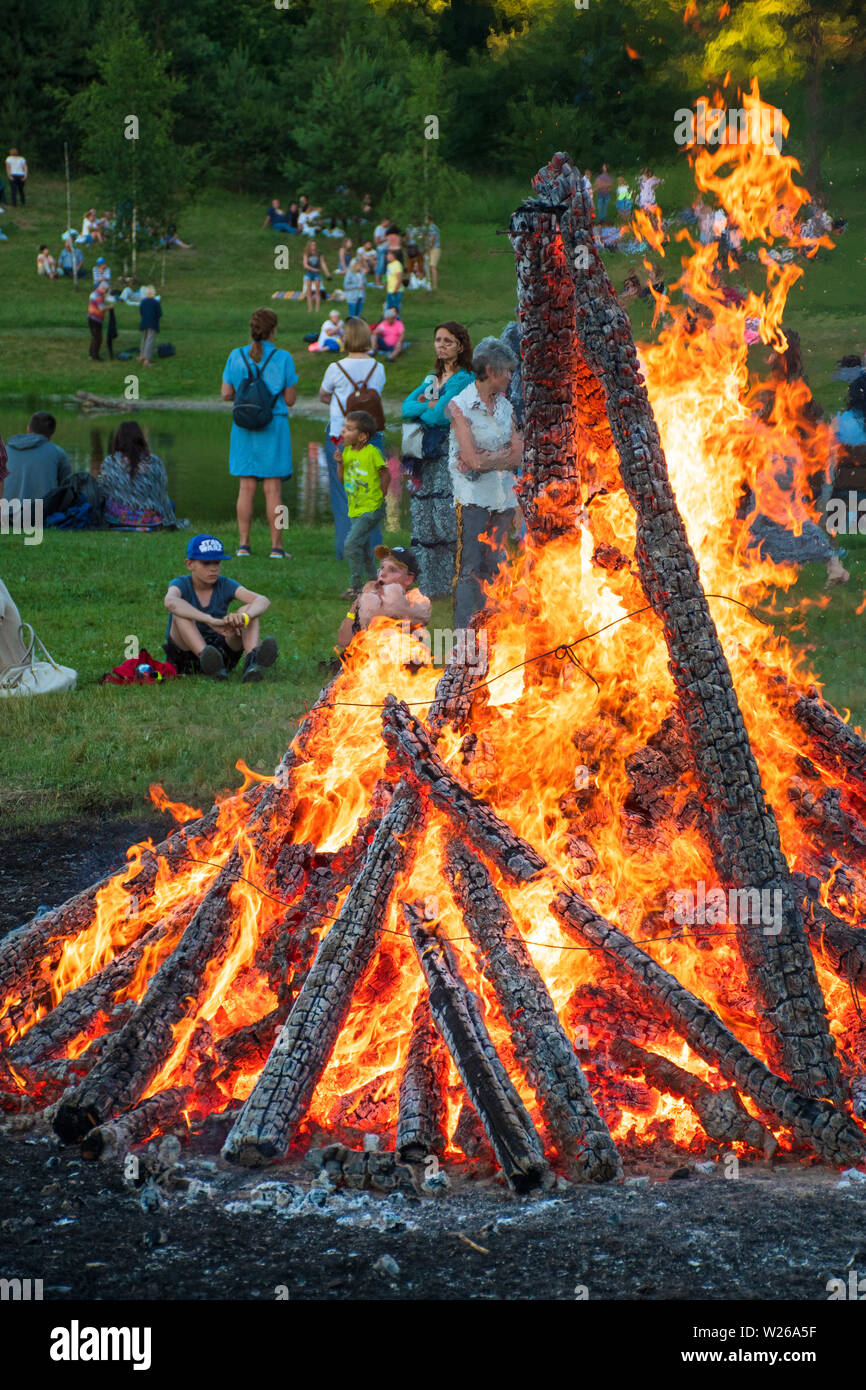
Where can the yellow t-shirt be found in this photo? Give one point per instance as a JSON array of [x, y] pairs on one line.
[[361, 479], [394, 276]]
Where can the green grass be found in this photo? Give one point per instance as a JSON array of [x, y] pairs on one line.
[[210, 293], [96, 749]]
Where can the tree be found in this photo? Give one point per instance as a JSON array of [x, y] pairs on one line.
[[351, 123], [420, 179], [778, 41], [125, 118], [245, 124]]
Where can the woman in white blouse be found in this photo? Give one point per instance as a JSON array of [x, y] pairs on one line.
[[485, 451]]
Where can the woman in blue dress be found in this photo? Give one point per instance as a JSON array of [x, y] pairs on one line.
[[262, 455]]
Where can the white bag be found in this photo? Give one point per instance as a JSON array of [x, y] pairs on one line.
[[29, 677], [412, 446]]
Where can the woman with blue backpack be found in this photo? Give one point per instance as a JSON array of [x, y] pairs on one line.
[[261, 381]]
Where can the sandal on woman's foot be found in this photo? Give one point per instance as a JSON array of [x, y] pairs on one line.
[[278, 554], [242, 551]]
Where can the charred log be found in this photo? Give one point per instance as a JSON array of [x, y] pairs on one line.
[[300, 1054], [830, 1132], [540, 1042], [457, 1014], [136, 1126], [842, 946], [721, 1113], [143, 1045], [742, 828], [410, 745], [421, 1123]]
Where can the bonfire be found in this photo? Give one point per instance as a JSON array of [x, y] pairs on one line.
[[593, 892]]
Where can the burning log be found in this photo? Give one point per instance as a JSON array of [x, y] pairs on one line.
[[137, 1125], [540, 1042], [552, 370], [842, 946], [742, 828], [721, 1113], [410, 745], [25, 950], [79, 1006], [145, 1042], [457, 687], [22, 951], [457, 1015], [839, 743], [830, 1132], [421, 1123], [282, 1094]]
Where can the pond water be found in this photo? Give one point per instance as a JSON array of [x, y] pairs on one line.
[[194, 446]]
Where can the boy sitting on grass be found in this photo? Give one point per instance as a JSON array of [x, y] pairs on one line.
[[214, 646], [365, 476], [390, 595]]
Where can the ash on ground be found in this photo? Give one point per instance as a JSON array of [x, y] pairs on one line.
[[173, 1225]]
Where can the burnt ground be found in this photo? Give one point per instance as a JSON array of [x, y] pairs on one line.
[[775, 1232]]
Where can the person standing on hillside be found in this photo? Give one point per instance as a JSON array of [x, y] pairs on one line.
[[394, 281], [434, 520], [261, 454], [96, 311], [603, 189], [16, 172], [380, 235], [432, 244], [356, 373], [150, 313]]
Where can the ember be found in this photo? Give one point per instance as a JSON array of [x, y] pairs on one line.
[[444, 882]]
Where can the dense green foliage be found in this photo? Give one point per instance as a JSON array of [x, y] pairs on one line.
[[334, 93]]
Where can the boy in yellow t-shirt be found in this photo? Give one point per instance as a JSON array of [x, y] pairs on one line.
[[394, 282], [364, 474]]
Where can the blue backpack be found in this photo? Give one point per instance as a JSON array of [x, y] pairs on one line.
[[254, 403]]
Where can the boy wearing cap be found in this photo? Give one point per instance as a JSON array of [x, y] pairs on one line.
[[390, 595], [102, 271], [214, 646]]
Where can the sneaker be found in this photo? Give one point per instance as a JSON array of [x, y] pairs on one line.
[[258, 660], [211, 664]]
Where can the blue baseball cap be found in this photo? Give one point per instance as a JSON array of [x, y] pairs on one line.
[[206, 548]]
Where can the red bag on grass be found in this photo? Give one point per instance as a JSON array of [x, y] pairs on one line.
[[140, 670]]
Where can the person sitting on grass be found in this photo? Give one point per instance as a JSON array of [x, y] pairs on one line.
[[134, 484], [392, 594], [46, 264], [277, 219], [365, 476], [388, 334], [331, 333], [202, 635]]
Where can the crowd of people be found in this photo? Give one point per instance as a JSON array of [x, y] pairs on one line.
[[461, 447]]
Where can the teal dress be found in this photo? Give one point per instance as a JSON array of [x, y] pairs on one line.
[[431, 500], [263, 453]]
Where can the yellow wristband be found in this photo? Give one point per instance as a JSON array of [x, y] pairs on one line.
[[351, 615], [246, 617]]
